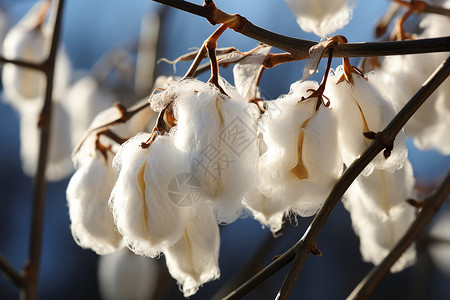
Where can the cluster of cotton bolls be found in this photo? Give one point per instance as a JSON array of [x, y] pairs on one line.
[[217, 155], [407, 72], [76, 100], [214, 155]]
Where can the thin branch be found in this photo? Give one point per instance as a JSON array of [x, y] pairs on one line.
[[254, 264], [307, 243], [300, 48], [24, 64], [367, 286], [38, 205], [437, 10], [126, 114], [10, 272]]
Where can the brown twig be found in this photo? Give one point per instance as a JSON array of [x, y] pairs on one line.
[[367, 286], [425, 7], [303, 247], [125, 115], [10, 272], [300, 48], [38, 206]]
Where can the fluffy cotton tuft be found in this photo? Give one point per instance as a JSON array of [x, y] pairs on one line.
[[89, 189], [218, 135], [92, 222], [143, 212], [404, 75], [380, 214], [321, 16], [361, 107], [301, 163], [84, 100], [194, 259], [59, 164], [29, 41]]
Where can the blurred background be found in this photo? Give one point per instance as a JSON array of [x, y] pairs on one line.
[[93, 29]]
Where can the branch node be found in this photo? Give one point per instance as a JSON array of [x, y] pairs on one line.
[[315, 251], [386, 141], [415, 203]]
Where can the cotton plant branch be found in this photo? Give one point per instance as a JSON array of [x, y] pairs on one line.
[[432, 205], [300, 48], [28, 282], [307, 244], [10, 272], [424, 7], [124, 116], [38, 206]]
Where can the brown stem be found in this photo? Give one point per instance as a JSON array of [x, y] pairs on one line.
[[432, 205], [38, 205], [124, 117], [275, 59], [339, 189], [300, 48], [10, 272], [211, 44], [422, 6]]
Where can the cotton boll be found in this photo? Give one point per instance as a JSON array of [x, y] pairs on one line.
[[92, 222], [122, 275], [193, 260], [429, 125], [83, 101], [360, 107], [321, 17], [320, 156], [301, 163], [218, 135], [59, 164], [380, 216], [28, 41], [143, 212]]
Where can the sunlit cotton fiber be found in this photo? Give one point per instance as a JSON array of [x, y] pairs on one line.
[[380, 214], [193, 260], [321, 16]]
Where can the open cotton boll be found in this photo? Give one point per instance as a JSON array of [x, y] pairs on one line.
[[143, 212], [83, 101], [360, 107], [218, 135], [29, 41], [194, 259], [430, 124], [301, 163], [321, 16], [59, 163], [88, 192], [380, 215], [123, 275]]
